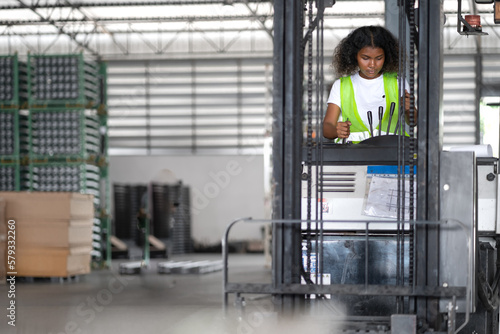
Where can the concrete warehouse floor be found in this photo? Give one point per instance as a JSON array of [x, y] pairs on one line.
[[106, 302]]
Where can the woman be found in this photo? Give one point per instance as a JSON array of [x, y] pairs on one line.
[[367, 62]]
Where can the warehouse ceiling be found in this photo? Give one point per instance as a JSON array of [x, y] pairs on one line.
[[128, 29], [131, 27]]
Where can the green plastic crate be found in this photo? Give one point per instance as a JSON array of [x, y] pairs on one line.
[[9, 135], [62, 80], [10, 177], [63, 134], [66, 177], [13, 83]]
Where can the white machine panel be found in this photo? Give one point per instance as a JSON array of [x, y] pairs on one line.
[[354, 193], [486, 198]]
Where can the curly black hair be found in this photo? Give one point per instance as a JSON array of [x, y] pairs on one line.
[[344, 56]]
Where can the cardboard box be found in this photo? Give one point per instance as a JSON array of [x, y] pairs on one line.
[[48, 205], [69, 233], [53, 262], [53, 232]]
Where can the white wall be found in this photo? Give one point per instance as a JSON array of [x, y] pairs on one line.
[[223, 188]]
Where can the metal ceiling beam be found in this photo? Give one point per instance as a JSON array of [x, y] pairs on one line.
[[180, 30], [261, 19], [134, 4], [258, 17], [81, 29], [48, 20], [138, 19], [148, 31], [97, 25], [87, 17]]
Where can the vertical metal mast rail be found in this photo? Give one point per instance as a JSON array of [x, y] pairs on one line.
[[287, 142], [411, 19], [309, 41], [430, 69], [410, 11], [319, 132], [314, 85], [401, 158], [406, 154]]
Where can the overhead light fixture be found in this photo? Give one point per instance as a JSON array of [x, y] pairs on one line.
[[228, 2]]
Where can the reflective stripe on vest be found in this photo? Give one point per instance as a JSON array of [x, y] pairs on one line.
[[359, 131]]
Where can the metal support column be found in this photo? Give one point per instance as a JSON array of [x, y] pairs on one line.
[[287, 142], [430, 92], [478, 59]]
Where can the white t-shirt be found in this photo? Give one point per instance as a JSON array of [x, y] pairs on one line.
[[372, 96]]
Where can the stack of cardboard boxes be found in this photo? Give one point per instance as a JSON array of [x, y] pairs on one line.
[[53, 232]]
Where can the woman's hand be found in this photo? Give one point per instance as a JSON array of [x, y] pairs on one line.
[[343, 129], [407, 101]]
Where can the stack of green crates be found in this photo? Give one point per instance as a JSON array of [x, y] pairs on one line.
[[53, 131], [65, 142], [13, 96]]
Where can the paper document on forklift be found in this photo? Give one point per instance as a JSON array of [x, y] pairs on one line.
[[382, 197]]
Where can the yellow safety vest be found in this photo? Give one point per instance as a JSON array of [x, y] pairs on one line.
[[359, 131]]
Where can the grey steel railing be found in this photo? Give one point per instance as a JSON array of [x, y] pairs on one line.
[[401, 290]]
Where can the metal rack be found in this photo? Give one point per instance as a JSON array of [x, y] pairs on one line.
[[171, 216], [181, 234], [127, 202]]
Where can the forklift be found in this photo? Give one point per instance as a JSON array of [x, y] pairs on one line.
[[401, 233]]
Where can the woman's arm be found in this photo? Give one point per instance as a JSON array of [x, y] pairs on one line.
[[332, 128]]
